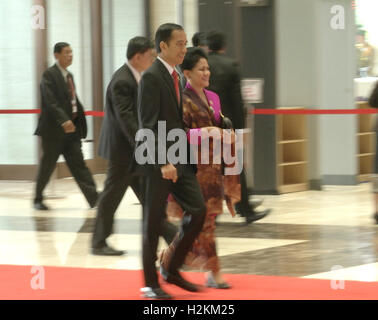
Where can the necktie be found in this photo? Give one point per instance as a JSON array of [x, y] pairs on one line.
[[176, 82], [71, 88]]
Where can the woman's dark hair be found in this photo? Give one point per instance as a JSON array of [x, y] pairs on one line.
[[60, 46], [193, 55], [138, 45], [164, 33]]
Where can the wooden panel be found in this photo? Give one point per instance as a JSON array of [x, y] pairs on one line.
[[18, 172], [293, 174], [96, 166], [366, 144], [292, 153], [293, 127], [365, 178], [29, 172], [293, 188], [365, 123], [366, 163]]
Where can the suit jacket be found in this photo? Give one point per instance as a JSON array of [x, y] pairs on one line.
[[120, 124], [225, 81], [56, 106], [157, 101], [373, 102]]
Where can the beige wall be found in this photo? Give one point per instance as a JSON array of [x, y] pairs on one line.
[[164, 11], [17, 83], [190, 19], [69, 21]]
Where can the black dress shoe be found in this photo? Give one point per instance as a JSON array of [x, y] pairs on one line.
[[376, 218], [107, 251], [257, 216], [155, 293], [178, 280], [40, 206]]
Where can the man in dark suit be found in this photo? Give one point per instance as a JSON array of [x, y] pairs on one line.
[[117, 143], [225, 81], [159, 104], [373, 102], [62, 125]]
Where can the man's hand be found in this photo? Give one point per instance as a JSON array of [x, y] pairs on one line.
[[169, 172], [68, 127]]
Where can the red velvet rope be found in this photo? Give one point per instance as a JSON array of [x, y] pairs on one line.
[[36, 111], [313, 111]]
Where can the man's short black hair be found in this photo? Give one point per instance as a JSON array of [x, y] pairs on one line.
[[60, 46], [138, 45], [192, 57], [199, 39], [216, 40], [164, 33]]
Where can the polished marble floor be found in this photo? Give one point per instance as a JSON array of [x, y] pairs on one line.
[[328, 234]]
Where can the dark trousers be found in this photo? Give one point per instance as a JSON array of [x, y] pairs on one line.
[[244, 201], [188, 194], [117, 181], [70, 148]]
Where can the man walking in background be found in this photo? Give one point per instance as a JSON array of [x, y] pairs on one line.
[[62, 125], [225, 81]]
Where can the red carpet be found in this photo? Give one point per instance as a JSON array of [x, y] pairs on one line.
[[104, 284]]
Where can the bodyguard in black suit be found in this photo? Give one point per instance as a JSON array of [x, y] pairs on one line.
[[159, 99], [117, 143], [225, 81], [373, 102], [62, 125]]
